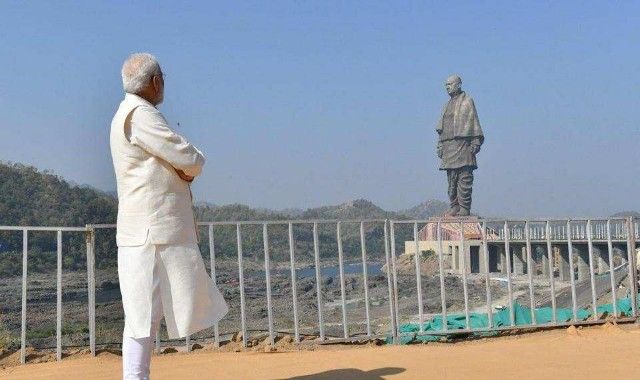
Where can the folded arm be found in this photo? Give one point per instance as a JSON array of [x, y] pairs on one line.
[[150, 131]]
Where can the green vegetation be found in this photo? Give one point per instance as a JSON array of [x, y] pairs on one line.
[[5, 338], [29, 197], [50, 330], [40, 198]]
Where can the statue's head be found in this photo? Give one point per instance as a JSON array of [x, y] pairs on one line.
[[453, 85]]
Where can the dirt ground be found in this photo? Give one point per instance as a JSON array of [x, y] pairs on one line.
[[599, 352]]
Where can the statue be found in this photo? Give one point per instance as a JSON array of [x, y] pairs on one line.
[[460, 138]]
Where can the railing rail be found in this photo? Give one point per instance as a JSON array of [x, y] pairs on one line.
[[561, 242]]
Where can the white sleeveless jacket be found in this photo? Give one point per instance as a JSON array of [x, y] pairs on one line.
[[156, 232], [152, 198]]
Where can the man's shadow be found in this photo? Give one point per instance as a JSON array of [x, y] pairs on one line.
[[351, 373]]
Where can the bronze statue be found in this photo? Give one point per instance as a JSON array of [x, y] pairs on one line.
[[460, 139]]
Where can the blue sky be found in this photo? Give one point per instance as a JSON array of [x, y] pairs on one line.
[[299, 104]]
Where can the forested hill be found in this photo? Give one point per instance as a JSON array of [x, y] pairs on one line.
[[38, 198], [29, 197]]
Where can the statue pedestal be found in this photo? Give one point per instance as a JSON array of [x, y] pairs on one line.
[[453, 219], [459, 239]]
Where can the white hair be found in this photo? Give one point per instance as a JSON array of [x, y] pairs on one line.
[[137, 71]]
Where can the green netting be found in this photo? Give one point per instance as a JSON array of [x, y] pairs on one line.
[[522, 317]]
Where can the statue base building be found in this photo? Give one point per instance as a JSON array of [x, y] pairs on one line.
[[457, 256]]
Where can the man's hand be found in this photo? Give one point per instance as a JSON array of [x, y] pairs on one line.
[[183, 176]]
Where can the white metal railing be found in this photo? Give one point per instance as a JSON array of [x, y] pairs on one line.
[[25, 252], [502, 234]]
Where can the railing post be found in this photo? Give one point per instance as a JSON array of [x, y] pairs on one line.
[[23, 329], [443, 302], [633, 272], [418, 277], [463, 264], [316, 253], [551, 275], [395, 276], [507, 249], [485, 257], [294, 293], [365, 281], [530, 269], [267, 275], [59, 296], [212, 264], [241, 284], [574, 305], [390, 275], [345, 328], [612, 272], [592, 276], [91, 286]]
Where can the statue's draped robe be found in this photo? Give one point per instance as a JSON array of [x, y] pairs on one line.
[[459, 129]]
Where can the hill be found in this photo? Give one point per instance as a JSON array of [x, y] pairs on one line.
[[623, 214], [29, 197], [40, 198], [357, 209], [234, 212], [426, 209]]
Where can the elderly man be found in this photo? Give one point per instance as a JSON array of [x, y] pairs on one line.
[[459, 140], [160, 268]]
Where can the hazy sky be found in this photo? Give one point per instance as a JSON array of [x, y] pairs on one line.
[[299, 104]]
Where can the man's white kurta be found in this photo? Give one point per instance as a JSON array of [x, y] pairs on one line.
[[156, 226]]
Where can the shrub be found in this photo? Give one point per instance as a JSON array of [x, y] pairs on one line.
[[4, 336]]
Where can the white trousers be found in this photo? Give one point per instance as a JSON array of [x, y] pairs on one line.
[[159, 281], [191, 301], [136, 352]]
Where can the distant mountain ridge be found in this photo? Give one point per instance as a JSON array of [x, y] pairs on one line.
[[29, 196], [426, 209], [623, 214], [351, 210]]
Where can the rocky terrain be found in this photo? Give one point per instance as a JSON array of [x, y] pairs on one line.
[[41, 302]]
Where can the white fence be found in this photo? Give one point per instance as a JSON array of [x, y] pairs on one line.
[[496, 242]]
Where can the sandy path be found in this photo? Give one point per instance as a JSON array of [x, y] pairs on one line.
[[603, 352]]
